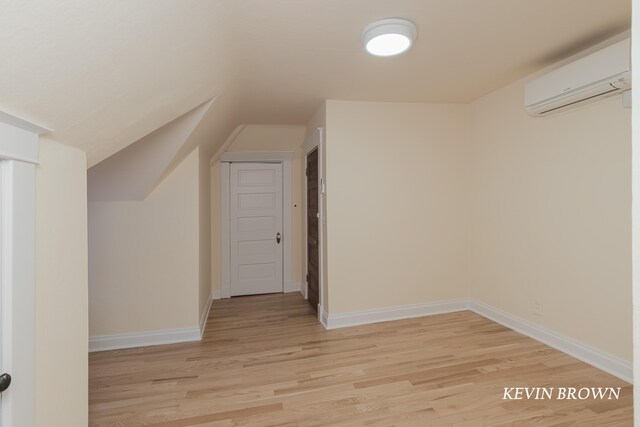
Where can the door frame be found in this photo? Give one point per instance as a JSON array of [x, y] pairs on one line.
[[315, 141], [18, 159], [282, 157]]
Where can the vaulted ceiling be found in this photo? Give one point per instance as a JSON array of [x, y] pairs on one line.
[[104, 74]]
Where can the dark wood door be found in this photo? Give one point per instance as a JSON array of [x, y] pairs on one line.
[[313, 254]]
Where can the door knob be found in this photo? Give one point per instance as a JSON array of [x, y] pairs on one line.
[[5, 382], [278, 237]]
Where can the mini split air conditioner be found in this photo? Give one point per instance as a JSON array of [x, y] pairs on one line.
[[604, 73]]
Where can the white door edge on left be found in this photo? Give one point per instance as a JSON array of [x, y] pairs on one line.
[[18, 159]]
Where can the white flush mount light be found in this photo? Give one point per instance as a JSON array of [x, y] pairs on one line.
[[389, 37]]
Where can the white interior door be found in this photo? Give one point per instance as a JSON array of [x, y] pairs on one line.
[[18, 158], [17, 289], [3, 345], [256, 233]]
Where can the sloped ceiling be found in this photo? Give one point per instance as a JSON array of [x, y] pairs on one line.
[[104, 74], [132, 173]]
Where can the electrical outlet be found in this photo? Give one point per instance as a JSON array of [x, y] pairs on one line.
[[538, 308]]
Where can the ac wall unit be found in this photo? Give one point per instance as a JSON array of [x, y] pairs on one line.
[[595, 76]]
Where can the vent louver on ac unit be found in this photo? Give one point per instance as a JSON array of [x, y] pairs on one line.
[[604, 73]]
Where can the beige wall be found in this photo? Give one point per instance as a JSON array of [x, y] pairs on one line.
[[259, 138], [431, 202], [144, 258], [61, 387], [396, 204], [550, 218]]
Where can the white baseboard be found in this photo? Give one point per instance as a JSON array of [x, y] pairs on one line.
[[304, 290], [225, 292], [342, 320], [292, 286], [594, 357], [217, 294], [322, 316], [143, 339], [205, 314]]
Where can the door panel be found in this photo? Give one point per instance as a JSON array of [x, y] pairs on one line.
[[313, 253], [255, 221], [256, 201], [250, 224]]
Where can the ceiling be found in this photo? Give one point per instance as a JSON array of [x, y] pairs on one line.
[[103, 74]]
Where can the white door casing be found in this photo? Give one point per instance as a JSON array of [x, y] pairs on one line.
[[1, 310], [18, 159], [18, 290], [284, 158], [256, 228]]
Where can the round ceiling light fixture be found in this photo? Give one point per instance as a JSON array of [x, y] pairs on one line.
[[389, 37]]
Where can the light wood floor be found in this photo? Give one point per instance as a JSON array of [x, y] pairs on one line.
[[265, 360]]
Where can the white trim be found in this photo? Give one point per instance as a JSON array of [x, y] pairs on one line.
[[257, 156], [143, 339], [225, 236], [18, 144], [23, 124], [323, 317], [283, 157], [18, 289], [216, 295], [205, 315], [287, 239], [19, 154], [366, 317], [594, 357], [292, 287], [304, 289]]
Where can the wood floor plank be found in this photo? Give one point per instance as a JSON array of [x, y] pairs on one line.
[[266, 361]]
